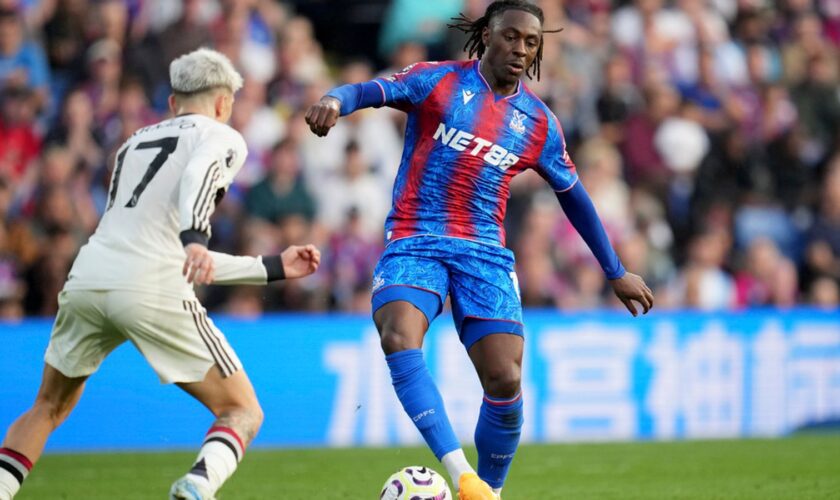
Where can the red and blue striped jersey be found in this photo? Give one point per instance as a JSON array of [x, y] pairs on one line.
[[463, 145]]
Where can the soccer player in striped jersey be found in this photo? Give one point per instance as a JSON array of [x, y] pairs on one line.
[[134, 279], [472, 126]]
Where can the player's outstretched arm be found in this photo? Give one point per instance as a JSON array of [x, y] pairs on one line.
[[628, 287], [341, 101], [295, 262]]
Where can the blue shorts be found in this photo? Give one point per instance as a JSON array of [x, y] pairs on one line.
[[479, 278]]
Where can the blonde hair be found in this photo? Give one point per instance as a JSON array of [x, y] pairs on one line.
[[203, 70]]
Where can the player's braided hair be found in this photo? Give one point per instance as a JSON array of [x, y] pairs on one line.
[[474, 28]]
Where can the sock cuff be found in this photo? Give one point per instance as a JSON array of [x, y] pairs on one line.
[[16, 456], [503, 402], [228, 437], [404, 363], [15, 464], [403, 356]]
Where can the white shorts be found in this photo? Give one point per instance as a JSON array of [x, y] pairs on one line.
[[175, 336]]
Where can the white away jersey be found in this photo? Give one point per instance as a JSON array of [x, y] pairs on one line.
[[166, 180]]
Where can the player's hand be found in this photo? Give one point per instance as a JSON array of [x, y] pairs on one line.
[[322, 115], [198, 266], [632, 287], [300, 261]]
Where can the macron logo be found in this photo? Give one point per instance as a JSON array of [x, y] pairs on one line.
[[460, 140], [467, 95]]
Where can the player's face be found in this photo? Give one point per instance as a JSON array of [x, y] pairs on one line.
[[512, 41]]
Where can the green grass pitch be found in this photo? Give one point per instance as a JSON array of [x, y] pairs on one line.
[[804, 467]]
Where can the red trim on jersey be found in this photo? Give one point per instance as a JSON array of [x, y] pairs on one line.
[[428, 118], [481, 318], [382, 89], [409, 286], [18, 457], [488, 124], [227, 430]]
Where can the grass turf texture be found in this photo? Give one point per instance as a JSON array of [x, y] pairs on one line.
[[804, 467]]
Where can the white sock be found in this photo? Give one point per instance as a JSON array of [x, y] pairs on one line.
[[14, 468], [219, 455], [8, 485], [7, 489], [456, 464], [497, 491]]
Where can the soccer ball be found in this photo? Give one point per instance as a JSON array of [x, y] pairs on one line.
[[415, 483]]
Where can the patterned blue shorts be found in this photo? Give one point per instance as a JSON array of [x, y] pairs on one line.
[[479, 278]]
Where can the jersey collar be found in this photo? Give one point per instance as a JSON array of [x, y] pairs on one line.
[[498, 98]]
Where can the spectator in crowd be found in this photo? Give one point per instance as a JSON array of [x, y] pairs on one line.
[[22, 61], [281, 193], [768, 278], [824, 293], [704, 282], [644, 166], [12, 287], [132, 113], [352, 260], [355, 190], [65, 43], [618, 98], [187, 33], [20, 143], [260, 124], [706, 132], [78, 131], [104, 67], [822, 256]]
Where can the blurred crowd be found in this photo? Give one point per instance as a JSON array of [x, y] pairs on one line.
[[706, 131]]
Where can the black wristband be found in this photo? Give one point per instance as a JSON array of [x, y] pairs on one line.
[[274, 268], [193, 236]]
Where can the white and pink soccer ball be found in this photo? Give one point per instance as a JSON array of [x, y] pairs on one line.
[[415, 483]]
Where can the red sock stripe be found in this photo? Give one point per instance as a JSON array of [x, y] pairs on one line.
[[228, 430], [503, 402], [17, 456]]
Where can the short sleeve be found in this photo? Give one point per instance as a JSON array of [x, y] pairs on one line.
[[555, 165], [410, 87]]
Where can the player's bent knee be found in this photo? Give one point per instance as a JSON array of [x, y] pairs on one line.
[[396, 336], [245, 420], [395, 341], [251, 420], [502, 381], [398, 331]]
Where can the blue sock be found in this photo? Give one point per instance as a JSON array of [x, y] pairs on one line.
[[497, 436], [421, 400]]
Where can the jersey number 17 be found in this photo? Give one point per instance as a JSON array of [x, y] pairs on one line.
[[166, 145]]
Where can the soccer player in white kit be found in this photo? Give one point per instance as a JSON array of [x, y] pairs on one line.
[[134, 279]]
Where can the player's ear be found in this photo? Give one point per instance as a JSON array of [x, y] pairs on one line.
[[219, 105], [485, 35], [172, 104]]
